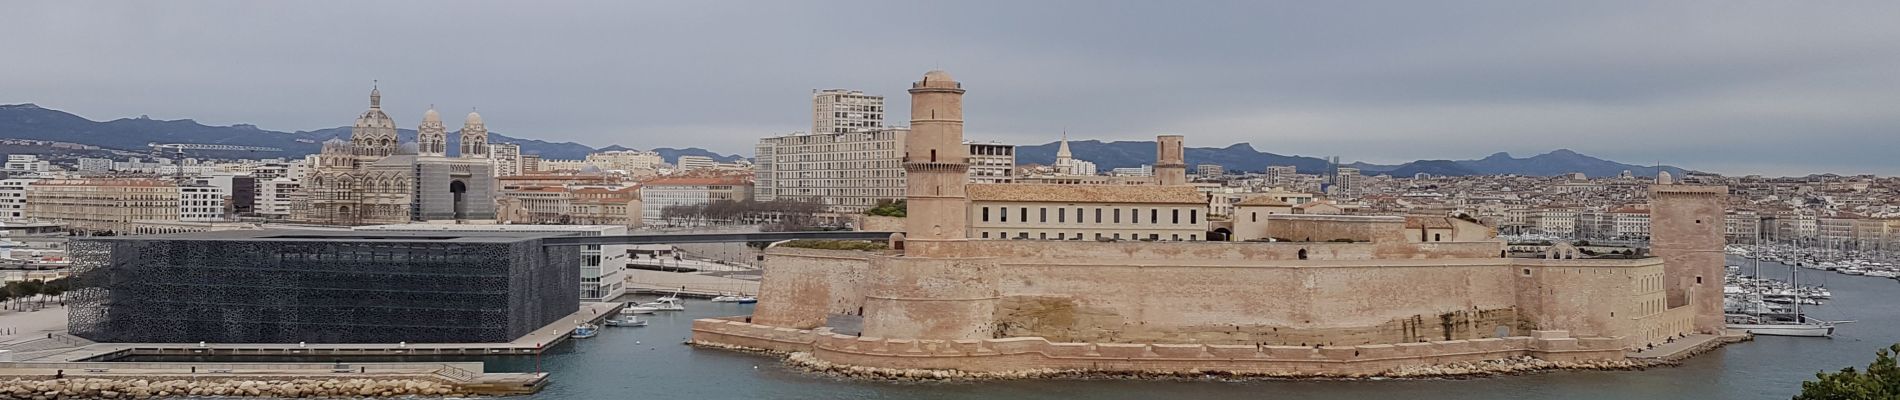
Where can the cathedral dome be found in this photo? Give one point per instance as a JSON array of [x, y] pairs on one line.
[[473, 118], [431, 116]]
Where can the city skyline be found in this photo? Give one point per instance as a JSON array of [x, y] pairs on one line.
[[1744, 89]]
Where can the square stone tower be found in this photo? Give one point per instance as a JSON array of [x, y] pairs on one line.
[[1170, 161], [1685, 230]]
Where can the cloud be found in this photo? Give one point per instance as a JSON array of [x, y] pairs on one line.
[[1733, 87]]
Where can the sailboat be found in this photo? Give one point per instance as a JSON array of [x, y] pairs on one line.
[[1799, 325]]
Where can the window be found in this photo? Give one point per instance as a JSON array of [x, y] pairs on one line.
[[1255, 215], [1078, 215], [1154, 216], [1177, 237], [986, 235], [986, 214], [1098, 215], [1194, 216], [1177, 216], [1436, 237], [1042, 214], [1042, 235], [1118, 216], [1005, 213], [1192, 237], [1024, 213], [1061, 216]]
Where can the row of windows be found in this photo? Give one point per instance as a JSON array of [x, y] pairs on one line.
[[1079, 236], [1114, 215]]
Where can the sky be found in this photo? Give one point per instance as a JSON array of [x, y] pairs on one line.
[[1735, 87]]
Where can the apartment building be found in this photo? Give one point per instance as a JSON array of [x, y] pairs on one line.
[[992, 163], [102, 205], [847, 172], [845, 111]]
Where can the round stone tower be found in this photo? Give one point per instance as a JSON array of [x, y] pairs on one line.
[[1170, 161], [937, 289], [935, 164]]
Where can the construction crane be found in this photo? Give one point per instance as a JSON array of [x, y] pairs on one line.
[[178, 152]]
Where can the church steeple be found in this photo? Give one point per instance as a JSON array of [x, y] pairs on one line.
[[474, 136], [1063, 157], [432, 139], [375, 97]]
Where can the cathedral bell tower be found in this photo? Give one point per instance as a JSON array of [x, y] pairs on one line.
[[935, 164]]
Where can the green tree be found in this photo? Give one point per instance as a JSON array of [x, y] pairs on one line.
[[891, 209], [30, 288], [1881, 381]]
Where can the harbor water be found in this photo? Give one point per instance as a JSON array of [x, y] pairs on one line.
[[652, 362]]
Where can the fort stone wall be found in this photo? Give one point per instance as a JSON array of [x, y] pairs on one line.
[[804, 286]]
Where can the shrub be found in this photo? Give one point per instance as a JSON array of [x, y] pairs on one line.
[[859, 245]]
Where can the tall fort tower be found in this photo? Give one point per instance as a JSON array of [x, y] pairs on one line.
[[939, 288], [1170, 161], [935, 161], [1686, 232]]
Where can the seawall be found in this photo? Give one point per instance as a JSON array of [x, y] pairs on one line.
[[1033, 356]]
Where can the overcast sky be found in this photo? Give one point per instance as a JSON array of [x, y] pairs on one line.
[[1774, 87]]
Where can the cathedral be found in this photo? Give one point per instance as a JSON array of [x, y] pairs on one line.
[[373, 179]]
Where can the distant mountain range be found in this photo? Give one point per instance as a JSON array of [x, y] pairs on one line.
[[29, 121], [1243, 157]]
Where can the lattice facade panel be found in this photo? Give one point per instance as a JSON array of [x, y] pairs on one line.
[[158, 290]]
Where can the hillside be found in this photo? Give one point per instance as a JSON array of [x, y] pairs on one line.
[[29, 121]]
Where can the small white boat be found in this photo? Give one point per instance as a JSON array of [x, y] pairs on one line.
[[668, 303], [585, 330], [747, 300], [726, 299], [637, 309], [627, 321]]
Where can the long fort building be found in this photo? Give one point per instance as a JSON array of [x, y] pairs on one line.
[[1017, 277]]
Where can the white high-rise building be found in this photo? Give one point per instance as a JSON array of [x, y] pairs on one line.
[[845, 111], [507, 158], [95, 165], [688, 163], [200, 203], [13, 198], [847, 172], [628, 160], [26, 163], [992, 163], [276, 196]]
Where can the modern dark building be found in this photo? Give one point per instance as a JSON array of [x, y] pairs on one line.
[[288, 286]]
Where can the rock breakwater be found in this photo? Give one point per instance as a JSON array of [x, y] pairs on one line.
[[129, 388]]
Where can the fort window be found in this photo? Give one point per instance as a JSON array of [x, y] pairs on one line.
[[1177, 216], [986, 214], [1098, 215], [1024, 214], [1118, 216], [1254, 215], [1302, 254], [1005, 212], [1042, 235], [1698, 280], [1042, 214], [1154, 216], [1177, 237], [1194, 216], [1437, 237], [1192, 237], [1527, 272], [1078, 215], [1061, 216], [986, 235]]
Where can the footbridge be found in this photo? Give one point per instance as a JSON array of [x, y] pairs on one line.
[[712, 238]]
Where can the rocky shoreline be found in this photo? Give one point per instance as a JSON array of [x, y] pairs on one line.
[[1509, 366], [131, 388]]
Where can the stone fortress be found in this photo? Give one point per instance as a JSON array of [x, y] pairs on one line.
[[1327, 296]]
